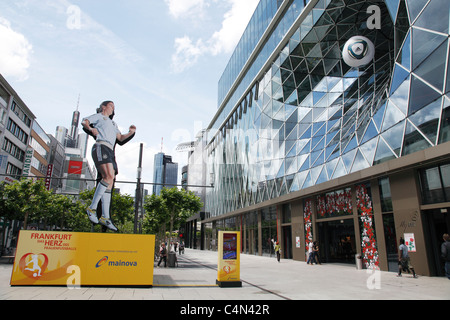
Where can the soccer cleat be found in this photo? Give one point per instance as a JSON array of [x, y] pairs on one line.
[[92, 215], [107, 223]]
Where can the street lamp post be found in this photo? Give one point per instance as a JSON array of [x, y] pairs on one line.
[[138, 198]]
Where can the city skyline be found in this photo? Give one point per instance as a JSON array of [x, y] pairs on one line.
[[54, 53]]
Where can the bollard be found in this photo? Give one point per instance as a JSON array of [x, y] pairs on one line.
[[358, 261]]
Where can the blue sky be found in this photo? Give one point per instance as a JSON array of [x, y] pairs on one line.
[[158, 60]]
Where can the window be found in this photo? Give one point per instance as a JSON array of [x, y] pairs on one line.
[[12, 170], [435, 184], [17, 131], [13, 150], [385, 195]]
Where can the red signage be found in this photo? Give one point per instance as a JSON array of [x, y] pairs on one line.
[[75, 167], [48, 178]]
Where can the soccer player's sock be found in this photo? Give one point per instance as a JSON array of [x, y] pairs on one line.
[[99, 192], [106, 204]]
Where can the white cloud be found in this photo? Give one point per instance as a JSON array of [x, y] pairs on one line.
[[183, 8], [233, 26], [188, 51], [15, 52]]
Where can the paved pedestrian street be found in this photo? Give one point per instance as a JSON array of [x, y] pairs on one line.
[[263, 279]]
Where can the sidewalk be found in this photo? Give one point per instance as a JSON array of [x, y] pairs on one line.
[[263, 279]]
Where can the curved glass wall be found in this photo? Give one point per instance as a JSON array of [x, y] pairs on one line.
[[311, 118]]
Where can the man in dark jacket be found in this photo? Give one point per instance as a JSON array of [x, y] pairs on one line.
[[445, 250]]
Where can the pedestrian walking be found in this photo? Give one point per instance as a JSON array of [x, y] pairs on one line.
[[310, 253], [181, 248], [445, 251], [163, 255], [278, 251], [404, 261], [316, 252]]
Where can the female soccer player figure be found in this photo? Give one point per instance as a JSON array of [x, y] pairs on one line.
[[106, 131]]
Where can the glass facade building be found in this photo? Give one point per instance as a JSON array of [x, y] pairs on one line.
[[165, 173], [299, 131]]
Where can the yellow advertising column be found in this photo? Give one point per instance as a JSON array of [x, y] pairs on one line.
[[229, 265], [83, 259]]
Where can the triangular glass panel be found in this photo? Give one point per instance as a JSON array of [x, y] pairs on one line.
[[392, 6], [414, 8], [308, 181], [305, 165], [383, 153], [392, 117], [301, 161], [394, 137], [295, 185], [379, 115], [340, 170], [322, 177], [307, 134], [414, 140], [424, 43], [291, 165], [435, 16], [288, 88], [317, 96], [292, 99], [332, 152], [315, 174], [432, 70], [304, 93], [371, 132], [421, 95], [330, 166], [360, 162], [348, 159], [336, 86], [351, 145], [404, 58], [301, 177], [400, 96], [300, 73], [368, 149], [427, 120]]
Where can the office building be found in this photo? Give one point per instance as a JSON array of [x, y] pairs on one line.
[[16, 122], [165, 173], [305, 148]]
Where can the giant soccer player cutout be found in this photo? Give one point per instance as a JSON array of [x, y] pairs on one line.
[[106, 133]]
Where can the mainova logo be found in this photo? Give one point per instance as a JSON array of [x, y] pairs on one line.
[[115, 263], [101, 262]]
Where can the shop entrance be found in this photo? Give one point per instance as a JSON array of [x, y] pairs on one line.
[[337, 241], [437, 222], [287, 242]]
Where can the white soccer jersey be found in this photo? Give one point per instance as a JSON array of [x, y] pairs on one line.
[[107, 129]]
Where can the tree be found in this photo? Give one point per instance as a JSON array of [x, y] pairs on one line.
[[173, 207], [122, 209], [26, 199]]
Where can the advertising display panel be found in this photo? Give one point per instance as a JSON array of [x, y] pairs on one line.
[[228, 274], [83, 259]]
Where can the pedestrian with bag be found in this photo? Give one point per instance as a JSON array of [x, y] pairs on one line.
[[278, 251], [404, 261], [163, 255]]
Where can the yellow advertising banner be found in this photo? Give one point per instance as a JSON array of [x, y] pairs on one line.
[[229, 265], [84, 259]]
